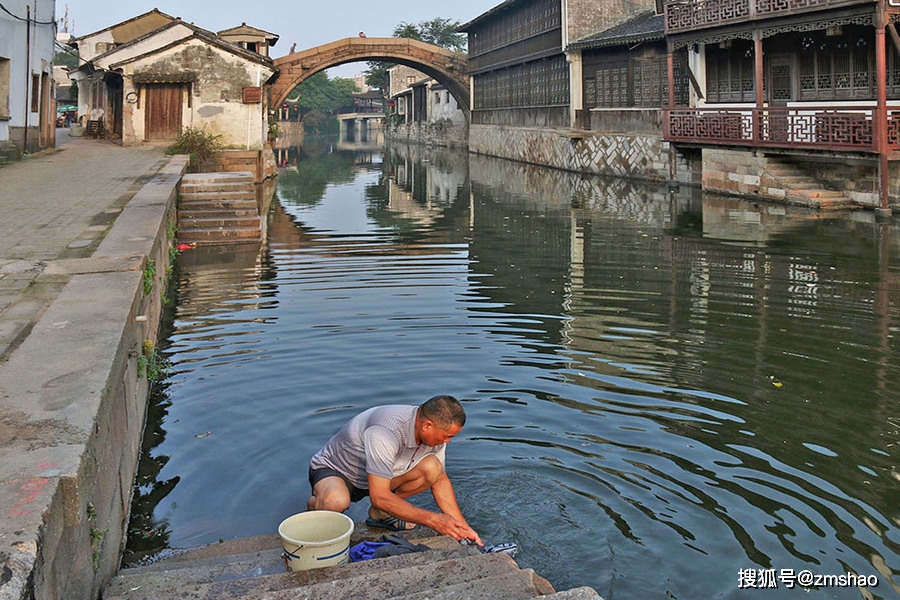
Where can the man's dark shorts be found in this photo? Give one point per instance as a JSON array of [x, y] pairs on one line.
[[317, 475]]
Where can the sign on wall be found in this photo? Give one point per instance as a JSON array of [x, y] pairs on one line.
[[252, 95]]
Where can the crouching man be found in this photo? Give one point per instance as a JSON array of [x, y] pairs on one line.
[[391, 453]]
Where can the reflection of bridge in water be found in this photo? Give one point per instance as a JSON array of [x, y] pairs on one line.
[[361, 131]]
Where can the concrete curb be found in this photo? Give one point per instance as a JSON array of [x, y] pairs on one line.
[[72, 406]]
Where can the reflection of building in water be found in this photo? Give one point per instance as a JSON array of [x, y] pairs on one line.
[[656, 300], [730, 219], [421, 189]]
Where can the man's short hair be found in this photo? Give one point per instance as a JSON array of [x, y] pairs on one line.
[[443, 411]]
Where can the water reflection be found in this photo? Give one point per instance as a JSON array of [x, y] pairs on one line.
[[662, 389]]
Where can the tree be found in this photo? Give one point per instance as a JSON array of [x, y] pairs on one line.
[[66, 58], [440, 32], [320, 93], [437, 31]]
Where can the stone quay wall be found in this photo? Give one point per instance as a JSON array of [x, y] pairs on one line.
[[79, 382], [439, 133], [746, 173], [628, 155]]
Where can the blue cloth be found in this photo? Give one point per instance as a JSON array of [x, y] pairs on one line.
[[365, 550]]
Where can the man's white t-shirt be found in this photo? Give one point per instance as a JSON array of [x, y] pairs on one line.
[[380, 441]]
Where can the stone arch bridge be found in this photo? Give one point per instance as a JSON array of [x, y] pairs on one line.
[[447, 67]]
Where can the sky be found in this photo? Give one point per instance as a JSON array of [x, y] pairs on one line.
[[307, 22]]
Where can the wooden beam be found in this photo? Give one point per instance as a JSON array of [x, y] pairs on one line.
[[894, 36]]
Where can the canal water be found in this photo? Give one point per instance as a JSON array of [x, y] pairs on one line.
[[669, 395]]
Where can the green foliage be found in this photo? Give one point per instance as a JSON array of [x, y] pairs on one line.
[[149, 276], [151, 364], [318, 92], [274, 131], [377, 75], [440, 32], [437, 31], [200, 144], [66, 58], [96, 535], [316, 122]]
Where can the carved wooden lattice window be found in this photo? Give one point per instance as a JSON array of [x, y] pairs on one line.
[[635, 82], [682, 83], [729, 72], [837, 67], [893, 75], [537, 83], [530, 19]]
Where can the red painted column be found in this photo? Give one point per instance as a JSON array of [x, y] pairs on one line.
[[881, 132], [758, 75]]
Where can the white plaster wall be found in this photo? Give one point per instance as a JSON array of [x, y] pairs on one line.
[[13, 43], [158, 40], [211, 107], [88, 45], [445, 110]]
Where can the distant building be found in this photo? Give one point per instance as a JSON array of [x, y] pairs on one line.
[[250, 38], [147, 78], [422, 110], [27, 34], [360, 80], [545, 71], [810, 87]]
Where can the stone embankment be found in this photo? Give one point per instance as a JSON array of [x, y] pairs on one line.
[[93, 223]]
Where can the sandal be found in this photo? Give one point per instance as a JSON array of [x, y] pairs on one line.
[[389, 523]]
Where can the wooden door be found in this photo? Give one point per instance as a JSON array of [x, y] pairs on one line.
[[162, 118], [781, 81], [780, 87]]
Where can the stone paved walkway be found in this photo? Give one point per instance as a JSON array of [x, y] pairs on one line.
[[54, 205]]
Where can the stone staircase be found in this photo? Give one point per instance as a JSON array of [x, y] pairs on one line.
[[803, 189], [252, 568], [218, 208]]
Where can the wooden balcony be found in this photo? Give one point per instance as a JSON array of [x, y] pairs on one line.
[[848, 128], [691, 15]]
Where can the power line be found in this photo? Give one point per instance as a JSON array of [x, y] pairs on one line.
[[14, 16]]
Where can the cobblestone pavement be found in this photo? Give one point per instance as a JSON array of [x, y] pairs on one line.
[[54, 205]]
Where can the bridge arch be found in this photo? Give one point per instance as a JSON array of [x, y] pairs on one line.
[[447, 67]]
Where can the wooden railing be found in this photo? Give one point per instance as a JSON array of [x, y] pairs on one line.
[[689, 15], [847, 128]]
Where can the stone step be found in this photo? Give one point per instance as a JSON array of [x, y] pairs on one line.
[[218, 177], [219, 205], [225, 220], [390, 581], [216, 212], [253, 569], [217, 195], [512, 585], [219, 236], [579, 593], [233, 550], [795, 179], [344, 581], [816, 192]]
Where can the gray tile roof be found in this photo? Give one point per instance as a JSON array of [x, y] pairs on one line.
[[645, 27]]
